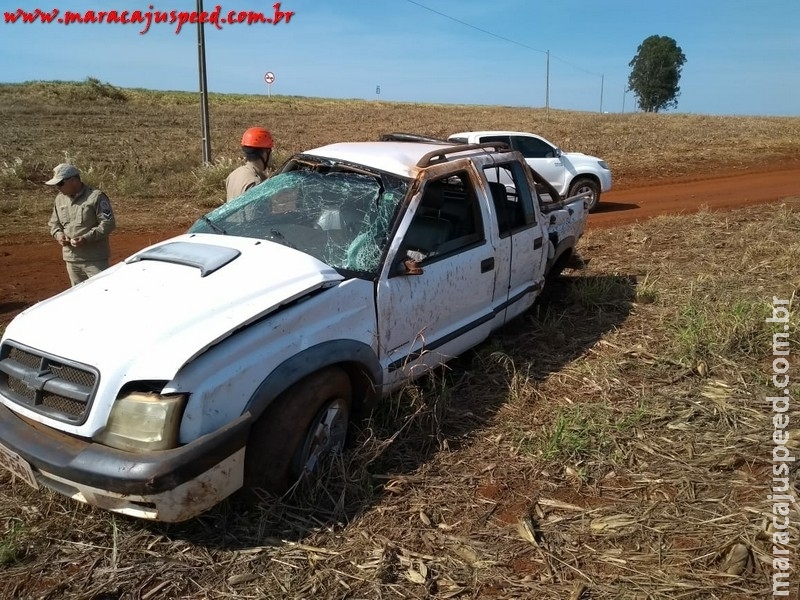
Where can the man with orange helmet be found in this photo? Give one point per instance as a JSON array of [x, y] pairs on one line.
[[257, 147]]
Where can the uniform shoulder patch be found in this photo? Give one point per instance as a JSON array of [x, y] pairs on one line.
[[105, 208]]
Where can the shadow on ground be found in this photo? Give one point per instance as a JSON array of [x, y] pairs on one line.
[[443, 410], [609, 207], [13, 307]]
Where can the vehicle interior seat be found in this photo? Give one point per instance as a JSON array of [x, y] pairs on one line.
[[427, 233]]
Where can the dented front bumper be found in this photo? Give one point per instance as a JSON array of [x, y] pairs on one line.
[[168, 485]]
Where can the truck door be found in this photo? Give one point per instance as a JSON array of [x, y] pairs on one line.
[[544, 158], [539, 154], [434, 298], [521, 247]]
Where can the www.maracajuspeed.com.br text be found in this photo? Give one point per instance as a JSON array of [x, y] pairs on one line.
[[214, 17]]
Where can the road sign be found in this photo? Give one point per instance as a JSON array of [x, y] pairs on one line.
[[269, 77]]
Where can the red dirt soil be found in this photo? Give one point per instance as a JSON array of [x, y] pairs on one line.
[[33, 270]]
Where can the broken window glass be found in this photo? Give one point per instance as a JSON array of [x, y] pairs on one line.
[[340, 217]]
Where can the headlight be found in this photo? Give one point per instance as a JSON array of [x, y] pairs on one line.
[[143, 421], [603, 164]]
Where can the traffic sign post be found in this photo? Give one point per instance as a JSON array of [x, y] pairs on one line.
[[269, 77]]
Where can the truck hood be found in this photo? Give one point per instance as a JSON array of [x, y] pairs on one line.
[[579, 157], [147, 316]]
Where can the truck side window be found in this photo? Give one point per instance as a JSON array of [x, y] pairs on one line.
[[447, 220], [497, 138], [510, 194], [531, 147]]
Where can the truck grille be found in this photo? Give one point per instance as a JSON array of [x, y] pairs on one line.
[[49, 385]]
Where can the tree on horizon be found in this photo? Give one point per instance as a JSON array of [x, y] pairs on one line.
[[655, 73]]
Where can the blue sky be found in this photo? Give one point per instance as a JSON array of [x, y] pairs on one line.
[[743, 57]]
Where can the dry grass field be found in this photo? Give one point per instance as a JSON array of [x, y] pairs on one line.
[[143, 147], [613, 443]]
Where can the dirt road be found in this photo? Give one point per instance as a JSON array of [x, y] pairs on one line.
[[687, 195], [33, 270]]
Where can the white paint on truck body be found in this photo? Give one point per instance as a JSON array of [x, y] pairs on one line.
[[346, 258]]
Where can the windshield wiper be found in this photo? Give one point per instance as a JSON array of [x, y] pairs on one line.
[[277, 236], [213, 225]]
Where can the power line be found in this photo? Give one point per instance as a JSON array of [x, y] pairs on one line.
[[575, 66], [500, 37]]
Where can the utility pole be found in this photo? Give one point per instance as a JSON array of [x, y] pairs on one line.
[[201, 59], [547, 89], [602, 80]]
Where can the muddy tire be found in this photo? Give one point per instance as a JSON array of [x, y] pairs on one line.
[[584, 185], [300, 428], [557, 268]]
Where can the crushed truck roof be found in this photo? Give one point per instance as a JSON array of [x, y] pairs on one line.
[[399, 158]]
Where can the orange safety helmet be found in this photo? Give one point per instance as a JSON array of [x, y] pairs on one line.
[[257, 137]]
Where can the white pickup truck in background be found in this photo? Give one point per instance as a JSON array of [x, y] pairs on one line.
[[570, 173], [235, 355]]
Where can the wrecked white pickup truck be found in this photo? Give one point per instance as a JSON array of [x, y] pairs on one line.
[[235, 355]]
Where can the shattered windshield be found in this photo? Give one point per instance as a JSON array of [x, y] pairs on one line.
[[339, 217]]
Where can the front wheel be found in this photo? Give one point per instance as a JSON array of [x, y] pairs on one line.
[[303, 426], [589, 187]]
